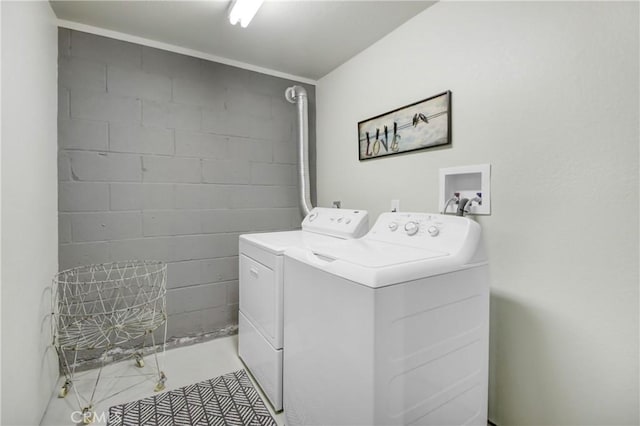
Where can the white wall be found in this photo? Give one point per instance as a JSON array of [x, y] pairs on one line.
[[29, 208], [548, 94]]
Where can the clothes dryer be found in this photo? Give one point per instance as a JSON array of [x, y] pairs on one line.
[[260, 334]]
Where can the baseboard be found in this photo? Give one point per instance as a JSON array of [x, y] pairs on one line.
[[120, 354]]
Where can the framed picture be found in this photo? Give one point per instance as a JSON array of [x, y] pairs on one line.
[[421, 125]]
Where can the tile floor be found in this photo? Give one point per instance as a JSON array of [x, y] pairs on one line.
[[122, 382]]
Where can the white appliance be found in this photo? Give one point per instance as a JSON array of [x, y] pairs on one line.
[[260, 334], [390, 329]]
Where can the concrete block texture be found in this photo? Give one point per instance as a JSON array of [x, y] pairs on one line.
[[106, 50], [63, 103], [161, 249], [254, 196], [83, 134], [64, 228], [108, 226], [136, 196], [194, 323], [105, 166], [273, 174], [94, 105], [64, 43], [82, 73], [174, 248], [193, 222], [140, 139], [198, 92], [196, 298], [171, 115], [202, 196], [201, 145], [171, 64], [171, 169], [248, 220], [64, 167], [78, 254], [249, 149], [83, 196], [245, 103], [286, 153], [205, 246], [255, 127], [192, 272], [281, 109], [138, 83], [171, 222], [168, 157], [226, 171]]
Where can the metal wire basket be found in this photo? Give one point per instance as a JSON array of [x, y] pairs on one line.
[[101, 307]]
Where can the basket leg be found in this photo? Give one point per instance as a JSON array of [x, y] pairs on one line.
[[87, 412], [64, 390], [138, 356], [88, 415], [139, 359], [162, 378], [160, 386]]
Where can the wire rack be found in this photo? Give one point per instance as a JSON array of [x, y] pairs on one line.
[[102, 307]]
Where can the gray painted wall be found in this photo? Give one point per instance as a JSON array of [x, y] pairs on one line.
[[168, 157]]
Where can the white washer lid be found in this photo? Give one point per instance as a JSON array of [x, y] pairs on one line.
[[375, 254], [377, 264]]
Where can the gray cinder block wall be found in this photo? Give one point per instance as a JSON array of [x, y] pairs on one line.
[[168, 157]]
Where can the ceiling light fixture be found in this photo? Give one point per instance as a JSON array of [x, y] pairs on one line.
[[243, 11]]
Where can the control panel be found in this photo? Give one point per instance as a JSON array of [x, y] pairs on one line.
[[342, 223], [423, 230]]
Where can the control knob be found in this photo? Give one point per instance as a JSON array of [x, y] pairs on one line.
[[393, 226], [433, 231], [313, 216], [411, 228]]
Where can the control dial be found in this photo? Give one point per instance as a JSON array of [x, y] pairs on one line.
[[313, 216], [411, 228], [433, 231], [393, 226]]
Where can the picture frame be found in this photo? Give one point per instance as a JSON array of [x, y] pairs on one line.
[[421, 125]]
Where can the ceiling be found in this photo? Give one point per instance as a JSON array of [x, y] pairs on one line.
[[304, 38]]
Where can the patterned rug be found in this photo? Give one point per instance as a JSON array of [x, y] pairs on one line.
[[226, 400]]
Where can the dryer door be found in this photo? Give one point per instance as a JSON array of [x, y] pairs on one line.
[[261, 297]]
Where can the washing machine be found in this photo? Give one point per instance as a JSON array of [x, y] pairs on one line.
[[389, 329], [260, 322]]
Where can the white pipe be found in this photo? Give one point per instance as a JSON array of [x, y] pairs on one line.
[[298, 95]]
